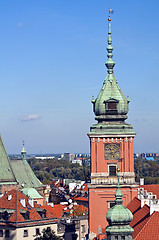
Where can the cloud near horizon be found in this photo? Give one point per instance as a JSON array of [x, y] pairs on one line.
[[31, 117]]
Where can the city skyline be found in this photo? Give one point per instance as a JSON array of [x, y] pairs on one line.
[[52, 63]]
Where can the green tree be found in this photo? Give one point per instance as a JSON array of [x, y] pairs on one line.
[[48, 234]]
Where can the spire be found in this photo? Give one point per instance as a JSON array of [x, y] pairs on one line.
[[111, 106], [118, 192], [23, 153], [110, 63]]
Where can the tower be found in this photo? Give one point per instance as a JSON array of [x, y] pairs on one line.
[[112, 145]]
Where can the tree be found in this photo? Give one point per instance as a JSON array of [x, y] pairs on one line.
[[48, 234]]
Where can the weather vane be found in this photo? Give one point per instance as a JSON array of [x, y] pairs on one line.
[[111, 11]]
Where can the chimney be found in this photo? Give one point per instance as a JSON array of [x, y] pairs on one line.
[[141, 181]]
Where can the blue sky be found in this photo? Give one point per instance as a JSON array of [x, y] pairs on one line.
[[52, 56]]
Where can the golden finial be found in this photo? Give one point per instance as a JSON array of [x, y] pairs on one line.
[[110, 12], [118, 169]]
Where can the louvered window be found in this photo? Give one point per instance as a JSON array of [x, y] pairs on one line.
[[112, 106]]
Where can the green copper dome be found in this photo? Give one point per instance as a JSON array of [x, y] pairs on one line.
[[110, 104], [119, 217], [119, 214]]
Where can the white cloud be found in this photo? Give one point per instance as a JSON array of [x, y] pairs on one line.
[[31, 117]]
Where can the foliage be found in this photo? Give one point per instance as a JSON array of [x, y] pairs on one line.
[[46, 170], [48, 234], [80, 211], [49, 169], [147, 169]]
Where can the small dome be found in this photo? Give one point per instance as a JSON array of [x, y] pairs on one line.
[[119, 215]]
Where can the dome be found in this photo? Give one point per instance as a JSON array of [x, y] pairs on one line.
[[119, 215]]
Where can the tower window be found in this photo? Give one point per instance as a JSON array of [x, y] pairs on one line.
[[112, 106], [112, 170]]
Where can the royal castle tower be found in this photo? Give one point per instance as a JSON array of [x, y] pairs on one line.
[[112, 146]]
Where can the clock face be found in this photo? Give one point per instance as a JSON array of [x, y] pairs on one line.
[[112, 151]]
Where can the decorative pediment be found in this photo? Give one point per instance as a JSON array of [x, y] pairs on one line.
[[111, 100]]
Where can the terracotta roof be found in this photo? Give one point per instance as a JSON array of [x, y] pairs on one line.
[[56, 210], [139, 219], [34, 215], [11, 200], [134, 205], [81, 199], [16, 217], [14, 201], [154, 188], [151, 228]]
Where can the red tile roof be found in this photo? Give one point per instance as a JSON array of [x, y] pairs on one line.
[[56, 210], [134, 205], [34, 215], [139, 219], [14, 202], [151, 229], [16, 217], [154, 188], [11, 200], [84, 187], [81, 199]]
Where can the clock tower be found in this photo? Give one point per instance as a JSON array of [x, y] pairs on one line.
[[112, 146]]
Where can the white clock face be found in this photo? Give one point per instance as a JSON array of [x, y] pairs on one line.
[[112, 151]]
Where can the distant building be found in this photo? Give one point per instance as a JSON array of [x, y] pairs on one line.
[[77, 161], [68, 156]]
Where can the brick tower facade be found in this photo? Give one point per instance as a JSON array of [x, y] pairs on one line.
[[112, 146]]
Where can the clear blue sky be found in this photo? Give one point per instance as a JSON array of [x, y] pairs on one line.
[[52, 56]]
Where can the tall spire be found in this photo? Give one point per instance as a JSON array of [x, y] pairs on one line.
[[23, 153], [111, 105], [110, 62]]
